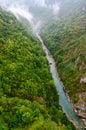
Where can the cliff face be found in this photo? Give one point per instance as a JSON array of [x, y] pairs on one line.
[[66, 40]]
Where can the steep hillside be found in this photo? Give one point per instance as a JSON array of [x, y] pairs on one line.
[[72, 7], [66, 40], [28, 98]]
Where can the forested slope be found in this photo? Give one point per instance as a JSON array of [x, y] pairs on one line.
[[66, 40], [28, 98]]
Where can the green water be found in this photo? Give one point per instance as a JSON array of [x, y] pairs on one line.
[[64, 102]]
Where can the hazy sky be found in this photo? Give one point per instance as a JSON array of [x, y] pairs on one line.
[[38, 3], [23, 8]]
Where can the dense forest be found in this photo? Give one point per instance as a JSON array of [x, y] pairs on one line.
[[66, 40], [28, 97]]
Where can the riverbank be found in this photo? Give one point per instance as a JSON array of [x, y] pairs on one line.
[[63, 98], [82, 118], [78, 108]]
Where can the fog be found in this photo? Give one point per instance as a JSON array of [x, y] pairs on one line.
[[40, 3], [37, 12], [21, 11]]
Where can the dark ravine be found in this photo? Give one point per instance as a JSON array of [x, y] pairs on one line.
[[64, 102]]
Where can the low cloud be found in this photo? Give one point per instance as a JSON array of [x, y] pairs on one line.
[[20, 11], [40, 3], [24, 8], [55, 7], [18, 8]]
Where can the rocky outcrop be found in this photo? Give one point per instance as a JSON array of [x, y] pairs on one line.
[[83, 80], [80, 107]]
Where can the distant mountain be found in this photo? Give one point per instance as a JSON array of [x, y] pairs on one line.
[[72, 7]]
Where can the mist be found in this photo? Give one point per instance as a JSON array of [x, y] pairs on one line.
[[37, 12]]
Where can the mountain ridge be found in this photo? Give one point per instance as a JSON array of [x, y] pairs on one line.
[[66, 40]]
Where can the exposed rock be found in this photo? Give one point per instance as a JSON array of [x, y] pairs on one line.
[[77, 60], [82, 117], [39, 99], [80, 68], [80, 107], [83, 80]]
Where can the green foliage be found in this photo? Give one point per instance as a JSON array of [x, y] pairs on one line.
[[28, 98], [66, 40]]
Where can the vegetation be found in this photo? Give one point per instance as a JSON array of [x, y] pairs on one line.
[[66, 40], [28, 98]]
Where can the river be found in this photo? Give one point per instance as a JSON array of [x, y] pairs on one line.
[[64, 102]]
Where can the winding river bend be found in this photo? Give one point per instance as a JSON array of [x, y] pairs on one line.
[[64, 102]]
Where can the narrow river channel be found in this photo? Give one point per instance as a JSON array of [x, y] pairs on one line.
[[64, 102]]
